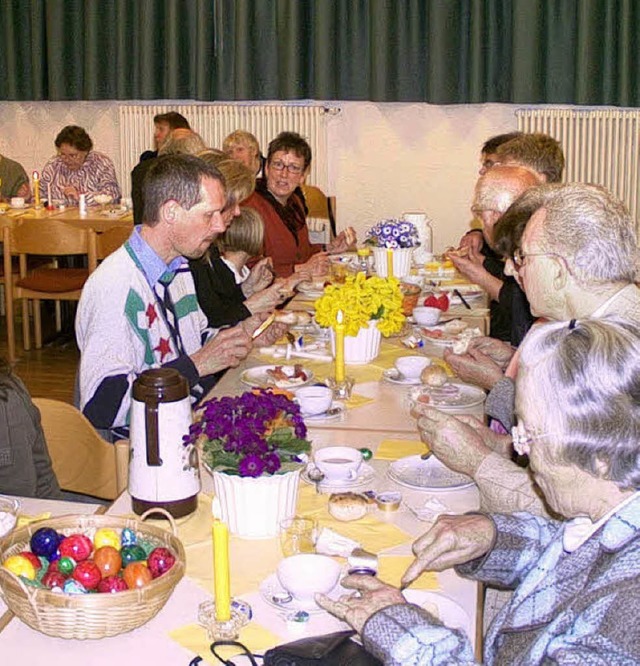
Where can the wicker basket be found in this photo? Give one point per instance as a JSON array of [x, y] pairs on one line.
[[89, 615]]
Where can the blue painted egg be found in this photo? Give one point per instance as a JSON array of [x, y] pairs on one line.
[[72, 586], [128, 537], [44, 542]]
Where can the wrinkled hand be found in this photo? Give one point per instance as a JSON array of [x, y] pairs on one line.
[[343, 241], [452, 441], [271, 334], [498, 443], [265, 300], [471, 267], [225, 350], [357, 609], [260, 277], [499, 351], [71, 192], [473, 242], [474, 367], [452, 540], [317, 265]]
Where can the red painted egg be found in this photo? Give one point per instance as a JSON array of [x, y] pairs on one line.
[[108, 560], [54, 566], [87, 573], [77, 546], [34, 559], [137, 575], [53, 579], [112, 584], [160, 561]]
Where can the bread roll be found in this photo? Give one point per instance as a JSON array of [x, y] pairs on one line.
[[290, 318], [347, 506], [434, 375]]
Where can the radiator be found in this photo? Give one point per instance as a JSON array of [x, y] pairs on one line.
[[215, 121], [600, 146]]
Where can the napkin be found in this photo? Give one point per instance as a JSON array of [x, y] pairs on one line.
[[390, 570], [357, 400], [23, 520], [330, 542], [394, 449], [194, 638]]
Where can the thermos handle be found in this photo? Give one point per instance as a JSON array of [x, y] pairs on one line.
[[151, 432]]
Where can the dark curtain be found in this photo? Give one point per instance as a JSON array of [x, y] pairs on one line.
[[438, 51]]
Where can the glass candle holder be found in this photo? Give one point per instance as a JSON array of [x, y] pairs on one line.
[[228, 630], [341, 389]]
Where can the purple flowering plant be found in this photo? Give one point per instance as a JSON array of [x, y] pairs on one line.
[[392, 233], [257, 433]]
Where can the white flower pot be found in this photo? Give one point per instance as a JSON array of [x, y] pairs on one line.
[[361, 348], [401, 261], [253, 508]]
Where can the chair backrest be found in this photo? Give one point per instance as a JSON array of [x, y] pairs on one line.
[[320, 205], [82, 460], [109, 241]]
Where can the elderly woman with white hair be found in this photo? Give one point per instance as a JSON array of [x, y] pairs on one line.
[[576, 582]]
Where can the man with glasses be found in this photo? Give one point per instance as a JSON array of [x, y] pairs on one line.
[[280, 202]]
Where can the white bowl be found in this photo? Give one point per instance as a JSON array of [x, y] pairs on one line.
[[338, 463], [426, 316], [307, 574], [9, 508], [410, 367], [314, 400]]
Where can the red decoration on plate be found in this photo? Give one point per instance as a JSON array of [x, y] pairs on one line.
[[441, 302], [77, 546], [88, 574], [160, 561]]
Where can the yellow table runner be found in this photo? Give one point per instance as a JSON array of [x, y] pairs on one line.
[[394, 449]]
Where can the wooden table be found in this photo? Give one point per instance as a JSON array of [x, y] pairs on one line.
[[94, 219]]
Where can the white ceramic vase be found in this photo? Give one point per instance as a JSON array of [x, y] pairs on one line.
[[401, 261], [361, 348], [423, 253], [253, 508]]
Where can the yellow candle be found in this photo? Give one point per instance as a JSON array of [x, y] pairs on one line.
[[36, 188], [389, 262], [339, 347], [221, 582]]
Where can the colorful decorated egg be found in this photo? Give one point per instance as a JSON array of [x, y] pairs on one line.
[[88, 574], [72, 586], [66, 565], [108, 560], [137, 575], [128, 537], [132, 554], [34, 559], [106, 537], [45, 542], [53, 579], [21, 566], [112, 584], [77, 546], [160, 561]]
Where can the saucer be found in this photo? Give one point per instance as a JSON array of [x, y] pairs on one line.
[[366, 474], [393, 377], [271, 587], [324, 417]]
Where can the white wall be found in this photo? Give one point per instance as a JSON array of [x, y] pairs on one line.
[[384, 159]]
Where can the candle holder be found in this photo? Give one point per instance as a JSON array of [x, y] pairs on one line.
[[341, 389], [228, 630]]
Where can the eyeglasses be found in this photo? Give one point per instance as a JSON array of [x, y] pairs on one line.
[[278, 165], [519, 257], [522, 438]]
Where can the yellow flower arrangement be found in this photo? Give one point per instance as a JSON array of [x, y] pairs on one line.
[[361, 299]]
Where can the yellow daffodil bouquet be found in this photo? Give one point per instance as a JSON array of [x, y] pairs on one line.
[[362, 299]]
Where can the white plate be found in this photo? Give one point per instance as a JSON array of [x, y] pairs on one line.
[[271, 586], [393, 377], [366, 474], [449, 612], [309, 291], [429, 474], [467, 396], [324, 417], [258, 378]]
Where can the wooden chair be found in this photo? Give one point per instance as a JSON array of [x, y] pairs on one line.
[[82, 460], [43, 238], [320, 205], [109, 241]]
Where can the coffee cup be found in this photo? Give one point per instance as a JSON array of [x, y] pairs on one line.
[[314, 400], [338, 463], [306, 575], [410, 367], [17, 202]]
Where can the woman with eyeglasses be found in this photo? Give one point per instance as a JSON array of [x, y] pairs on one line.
[[78, 169], [576, 582], [280, 202]]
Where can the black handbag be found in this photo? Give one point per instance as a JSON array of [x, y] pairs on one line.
[[329, 650]]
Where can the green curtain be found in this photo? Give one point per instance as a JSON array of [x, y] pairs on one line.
[[437, 51]]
